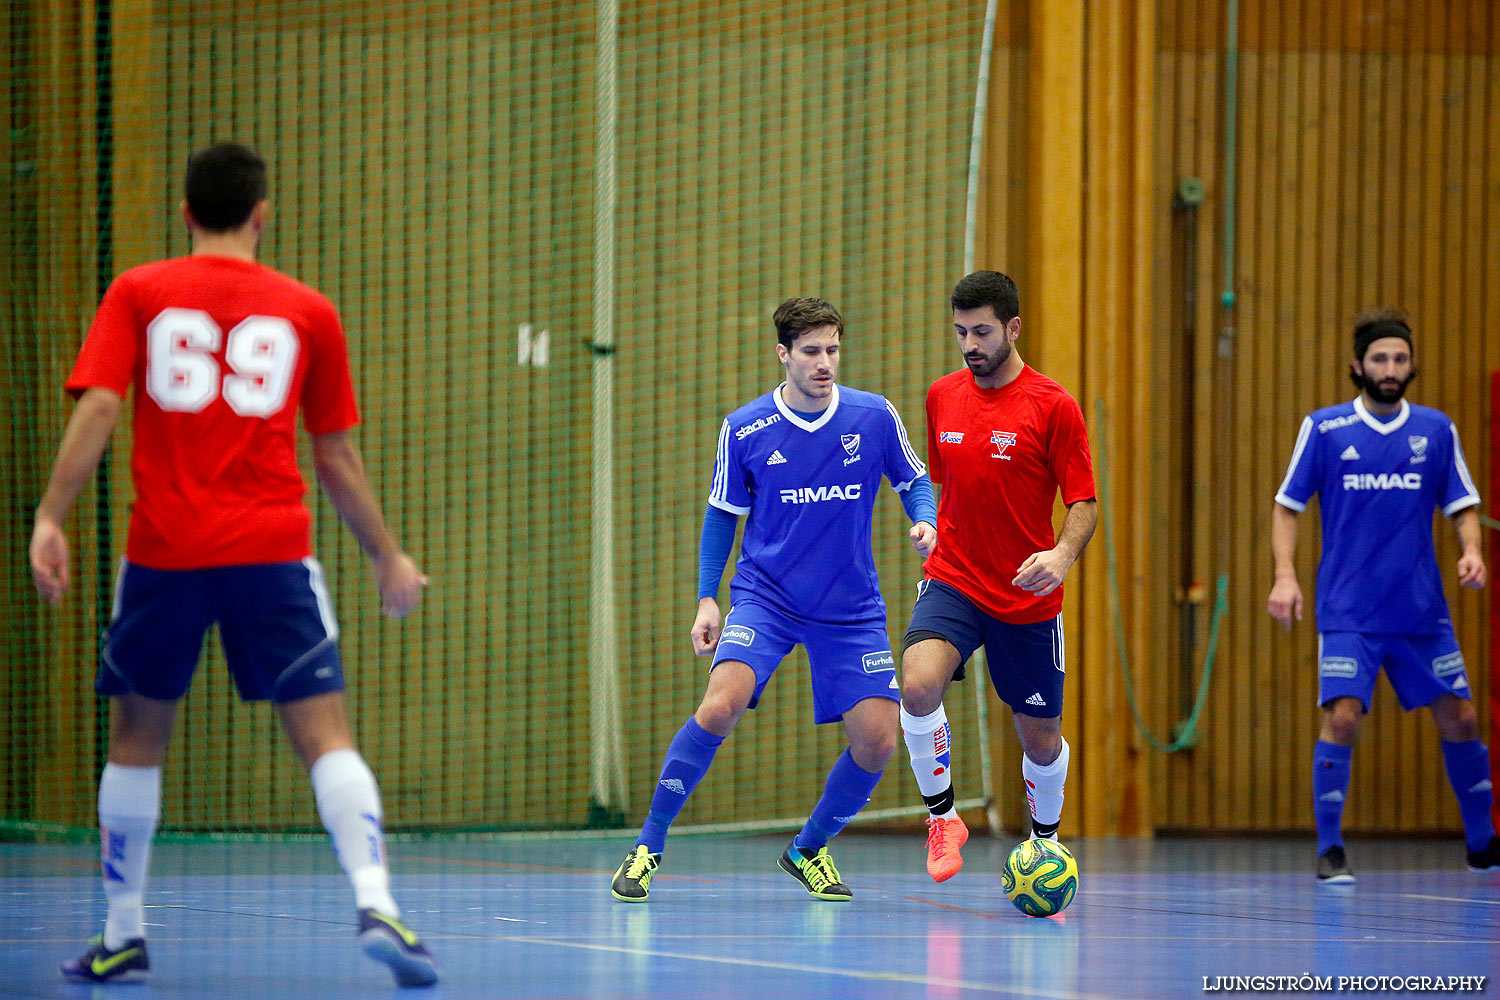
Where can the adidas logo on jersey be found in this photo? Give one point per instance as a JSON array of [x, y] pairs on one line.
[[1036, 699], [777, 458], [674, 785], [1350, 454]]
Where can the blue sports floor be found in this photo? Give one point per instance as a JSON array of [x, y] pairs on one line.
[[534, 918]]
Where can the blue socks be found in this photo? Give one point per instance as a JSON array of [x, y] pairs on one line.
[[688, 757], [1330, 788], [1469, 773], [848, 789]]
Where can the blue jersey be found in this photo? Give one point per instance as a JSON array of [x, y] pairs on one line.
[[1377, 483], [809, 490]]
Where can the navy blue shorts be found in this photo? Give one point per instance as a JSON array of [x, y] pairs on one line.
[[849, 663], [275, 619], [1026, 661]]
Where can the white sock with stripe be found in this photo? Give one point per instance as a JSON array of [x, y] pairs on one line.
[[129, 807], [349, 805], [1044, 788]]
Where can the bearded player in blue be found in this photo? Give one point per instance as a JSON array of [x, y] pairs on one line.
[[1380, 465], [804, 461]]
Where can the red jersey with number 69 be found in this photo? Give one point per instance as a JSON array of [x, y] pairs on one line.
[[221, 353], [1001, 455]]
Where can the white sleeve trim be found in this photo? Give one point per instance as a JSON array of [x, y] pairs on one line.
[[903, 487], [1463, 474], [720, 486], [724, 505], [906, 448], [1460, 505], [1303, 434]]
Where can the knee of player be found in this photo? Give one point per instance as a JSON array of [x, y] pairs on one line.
[[1341, 721], [920, 699], [1460, 723], [718, 715], [873, 751]]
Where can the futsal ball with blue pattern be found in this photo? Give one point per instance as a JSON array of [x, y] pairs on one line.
[[1040, 877]]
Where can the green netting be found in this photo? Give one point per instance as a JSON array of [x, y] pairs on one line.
[[434, 170]]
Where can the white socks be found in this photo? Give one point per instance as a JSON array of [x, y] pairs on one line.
[[927, 739], [349, 805], [129, 806], [1044, 787]]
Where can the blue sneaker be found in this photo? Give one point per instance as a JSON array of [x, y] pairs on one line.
[[100, 965], [388, 941]]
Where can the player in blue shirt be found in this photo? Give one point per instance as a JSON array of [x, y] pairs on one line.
[[804, 462], [1379, 466]]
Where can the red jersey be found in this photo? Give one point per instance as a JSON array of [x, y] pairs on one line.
[[221, 353], [1001, 455]]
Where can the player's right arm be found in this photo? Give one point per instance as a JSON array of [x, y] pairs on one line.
[[728, 498], [1303, 475], [83, 443], [342, 475], [1285, 602]]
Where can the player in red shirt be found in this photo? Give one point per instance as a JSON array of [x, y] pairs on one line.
[[222, 352], [1002, 440]]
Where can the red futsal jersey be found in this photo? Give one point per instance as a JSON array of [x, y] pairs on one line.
[[221, 353], [1001, 455]]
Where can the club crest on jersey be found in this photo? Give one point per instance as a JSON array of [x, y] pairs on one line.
[[851, 445], [1418, 448], [1002, 440], [951, 437]]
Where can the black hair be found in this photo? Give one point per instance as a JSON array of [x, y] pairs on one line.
[[224, 183]]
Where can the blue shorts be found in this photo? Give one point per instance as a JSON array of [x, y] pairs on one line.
[[849, 662], [1026, 661], [275, 619], [1420, 667]]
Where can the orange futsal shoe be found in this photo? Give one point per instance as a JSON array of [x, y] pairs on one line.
[[944, 838]]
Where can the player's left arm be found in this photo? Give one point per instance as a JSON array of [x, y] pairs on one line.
[[1471, 569], [83, 443], [1068, 458], [910, 480], [342, 475], [1044, 572]]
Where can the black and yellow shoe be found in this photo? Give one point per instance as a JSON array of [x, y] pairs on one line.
[[389, 941], [100, 965], [632, 882], [815, 870]]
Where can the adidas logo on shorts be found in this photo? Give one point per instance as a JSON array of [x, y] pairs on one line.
[[1036, 699], [776, 458], [674, 785]]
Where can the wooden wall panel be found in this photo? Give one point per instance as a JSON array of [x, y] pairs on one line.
[[1362, 165]]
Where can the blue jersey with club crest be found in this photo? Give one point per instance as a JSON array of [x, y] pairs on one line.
[[1377, 483], [809, 490]]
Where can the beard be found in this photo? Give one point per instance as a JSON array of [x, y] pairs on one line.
[[1387, 393], [985, 365]]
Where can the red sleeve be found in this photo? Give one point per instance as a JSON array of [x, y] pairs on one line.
[[1069, 456], [328, 391], [934, 459], [107, 358]]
